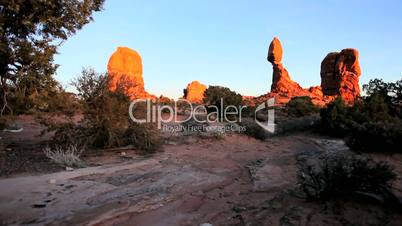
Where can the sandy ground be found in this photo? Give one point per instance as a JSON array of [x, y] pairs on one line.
[[233, 181]]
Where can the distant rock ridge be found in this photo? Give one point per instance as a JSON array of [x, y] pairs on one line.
[[125, 67], [194, 92]]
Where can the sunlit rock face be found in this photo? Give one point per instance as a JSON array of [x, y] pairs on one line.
[[339, 77], [315, 91], [281, 81], [194, 92], [340, 74], [125, 69], [275, 52]]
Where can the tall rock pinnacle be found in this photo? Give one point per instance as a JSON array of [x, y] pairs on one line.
[[281, 81], [125, 66]]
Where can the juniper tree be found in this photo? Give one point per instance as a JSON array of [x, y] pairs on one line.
[[30, 32]]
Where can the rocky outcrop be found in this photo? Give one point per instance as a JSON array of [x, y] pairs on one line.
[[281, 81], [315, 91], [125, 71], [194, 92], [340, 74], [339, 77]]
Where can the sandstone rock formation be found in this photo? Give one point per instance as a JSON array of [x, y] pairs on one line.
[[281, 81], [340, 74], [315, 91], [339, 77], [194, 92], [125, 71]]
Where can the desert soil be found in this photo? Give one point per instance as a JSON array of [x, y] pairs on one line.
[[236, 180]]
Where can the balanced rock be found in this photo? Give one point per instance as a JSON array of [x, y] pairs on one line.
[[281, 81], [194, 92], [315, 91], [339, 77], [275, 52], [340, 74], [125, 72]]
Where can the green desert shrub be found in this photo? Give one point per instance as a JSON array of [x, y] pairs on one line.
[[370, 124], [49, 98], [106, 122], [298, 124], [55, 100], [165, 101], [145, 137], [346, 175], [301, 106], [376, 136], [221, 97], [248, 111], [195, 125], [65, 133], [61, 102], [335, 118], [31, 33], [391, 94], [252, 129], [105, 113]]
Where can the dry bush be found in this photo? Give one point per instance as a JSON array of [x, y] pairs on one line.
[[193, 126], [145, 137], [371, 124], [65, 156], [105, 112], [106, 122], [254, 130], [215, 131], [281, 126], [301, 106], [217, 96], [345, 175], [298, 124], [105, 115], [376, 136], [219, 134]]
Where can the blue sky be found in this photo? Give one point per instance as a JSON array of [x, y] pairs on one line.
[[225, 42]]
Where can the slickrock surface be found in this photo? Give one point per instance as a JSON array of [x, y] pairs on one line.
[[233, 181]]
